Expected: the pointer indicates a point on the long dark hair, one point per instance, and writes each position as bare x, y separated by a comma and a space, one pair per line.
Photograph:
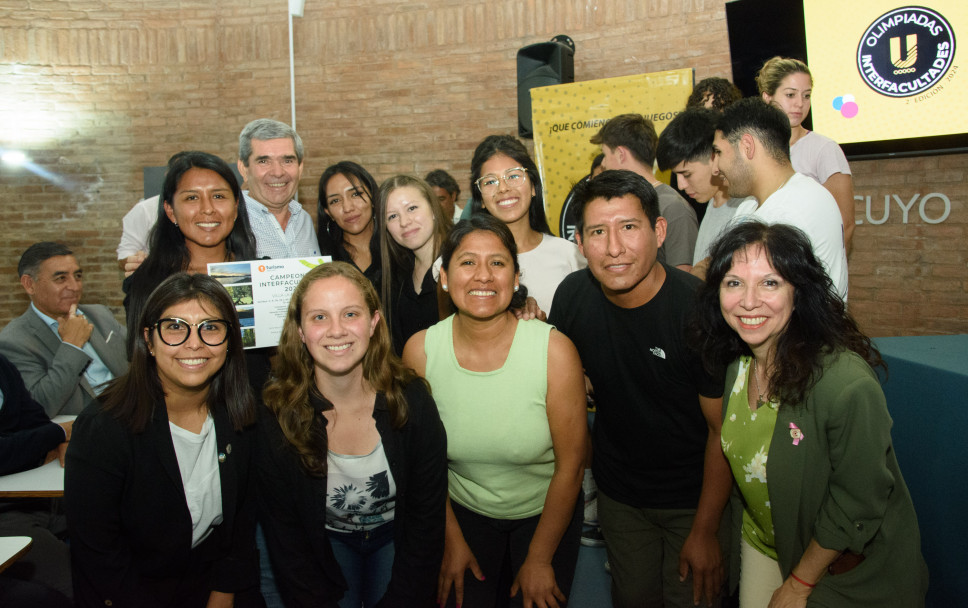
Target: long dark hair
329, 233
485, 223
819, 323
514, 149
167, 250
395, 257
131, 398
287, 393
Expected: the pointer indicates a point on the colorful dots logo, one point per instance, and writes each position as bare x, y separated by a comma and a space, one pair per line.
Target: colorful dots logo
846, 105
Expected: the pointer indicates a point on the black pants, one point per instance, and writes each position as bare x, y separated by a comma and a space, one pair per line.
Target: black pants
501, 546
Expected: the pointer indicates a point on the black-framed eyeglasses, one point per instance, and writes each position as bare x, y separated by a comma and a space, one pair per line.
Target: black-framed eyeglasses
175, 331
513, 177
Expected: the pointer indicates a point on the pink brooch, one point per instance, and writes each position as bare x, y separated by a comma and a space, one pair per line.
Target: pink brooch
796, 433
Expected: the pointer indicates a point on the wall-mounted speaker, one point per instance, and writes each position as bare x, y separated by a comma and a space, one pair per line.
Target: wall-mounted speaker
541, 65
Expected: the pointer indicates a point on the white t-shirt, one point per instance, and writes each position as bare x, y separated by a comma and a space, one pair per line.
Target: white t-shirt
136, 225
818, 157
548, 264
714, 222
361, 493
805, 204
198, 462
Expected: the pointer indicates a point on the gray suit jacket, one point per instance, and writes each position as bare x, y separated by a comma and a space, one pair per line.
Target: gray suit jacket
54, 371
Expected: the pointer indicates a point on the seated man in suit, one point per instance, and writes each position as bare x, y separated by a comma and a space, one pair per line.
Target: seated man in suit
42, 576
64, 351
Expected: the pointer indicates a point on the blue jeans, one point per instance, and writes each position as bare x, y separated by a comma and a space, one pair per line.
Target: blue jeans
267, 581
366, 559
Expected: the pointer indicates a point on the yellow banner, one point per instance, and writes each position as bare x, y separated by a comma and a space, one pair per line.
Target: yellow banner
566, 116
884, 69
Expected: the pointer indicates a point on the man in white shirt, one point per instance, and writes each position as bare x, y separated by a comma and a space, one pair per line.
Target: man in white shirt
752, 151
686, 148
271, 161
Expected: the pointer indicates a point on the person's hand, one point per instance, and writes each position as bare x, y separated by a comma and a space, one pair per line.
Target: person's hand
701, 554
68, 427
457, 559
74, 328
57, 453
790, 594
537, 584
531, 310
218, 599
132, 262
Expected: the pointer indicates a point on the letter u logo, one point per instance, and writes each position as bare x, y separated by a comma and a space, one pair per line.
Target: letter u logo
904, 65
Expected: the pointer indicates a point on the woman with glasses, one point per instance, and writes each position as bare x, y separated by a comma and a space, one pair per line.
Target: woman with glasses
507, 185
344, 213
413, 226
352, 465
200, 221
156, 486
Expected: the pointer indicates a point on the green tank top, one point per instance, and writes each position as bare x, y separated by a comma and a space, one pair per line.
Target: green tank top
500, 458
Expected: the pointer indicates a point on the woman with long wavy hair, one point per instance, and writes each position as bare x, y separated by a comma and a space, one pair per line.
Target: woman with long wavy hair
827, 519
353, 471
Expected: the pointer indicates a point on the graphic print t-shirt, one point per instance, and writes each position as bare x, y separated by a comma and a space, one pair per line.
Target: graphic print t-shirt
360, 491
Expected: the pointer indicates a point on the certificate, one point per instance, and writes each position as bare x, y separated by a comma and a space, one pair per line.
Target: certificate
261, 290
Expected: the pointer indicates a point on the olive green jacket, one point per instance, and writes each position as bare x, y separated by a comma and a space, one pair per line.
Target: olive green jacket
840, 483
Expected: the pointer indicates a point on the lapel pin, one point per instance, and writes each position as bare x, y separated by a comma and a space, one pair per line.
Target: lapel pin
221, 457
796, 433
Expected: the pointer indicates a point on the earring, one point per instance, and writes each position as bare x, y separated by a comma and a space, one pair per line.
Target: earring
444, 286
516, 288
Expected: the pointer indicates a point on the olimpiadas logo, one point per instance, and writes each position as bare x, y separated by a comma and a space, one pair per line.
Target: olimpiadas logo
906, 51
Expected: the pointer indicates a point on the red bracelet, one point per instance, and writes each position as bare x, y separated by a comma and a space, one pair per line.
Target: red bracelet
801, 581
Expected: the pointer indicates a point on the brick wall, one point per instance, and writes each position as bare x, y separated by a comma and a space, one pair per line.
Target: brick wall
95, 90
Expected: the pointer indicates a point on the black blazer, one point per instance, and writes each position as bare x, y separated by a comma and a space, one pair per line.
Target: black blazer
26, 433
129, 521
294, 508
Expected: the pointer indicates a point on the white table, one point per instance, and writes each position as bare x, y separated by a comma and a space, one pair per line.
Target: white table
46, 480
11, 548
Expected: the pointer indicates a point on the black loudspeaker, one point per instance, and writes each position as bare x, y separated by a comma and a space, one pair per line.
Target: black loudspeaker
540, 65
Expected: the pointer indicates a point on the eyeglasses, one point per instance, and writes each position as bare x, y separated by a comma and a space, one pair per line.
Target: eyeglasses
512, 177
175, 332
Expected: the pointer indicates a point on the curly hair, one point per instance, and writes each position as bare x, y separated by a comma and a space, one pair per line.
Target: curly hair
721, 92
819, 322
287, 393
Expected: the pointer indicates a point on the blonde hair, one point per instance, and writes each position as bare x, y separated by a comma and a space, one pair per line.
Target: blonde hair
287, 393
773, 72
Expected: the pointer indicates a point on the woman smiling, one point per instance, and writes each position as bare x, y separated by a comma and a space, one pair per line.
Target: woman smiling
412, 228
200, 221
511, 397
352, 467
156, 485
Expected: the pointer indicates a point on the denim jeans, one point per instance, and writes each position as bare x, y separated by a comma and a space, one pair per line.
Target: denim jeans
366, 559
267, 581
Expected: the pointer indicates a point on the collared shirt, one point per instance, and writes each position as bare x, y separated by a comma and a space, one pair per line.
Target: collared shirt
97, 373
297, 241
